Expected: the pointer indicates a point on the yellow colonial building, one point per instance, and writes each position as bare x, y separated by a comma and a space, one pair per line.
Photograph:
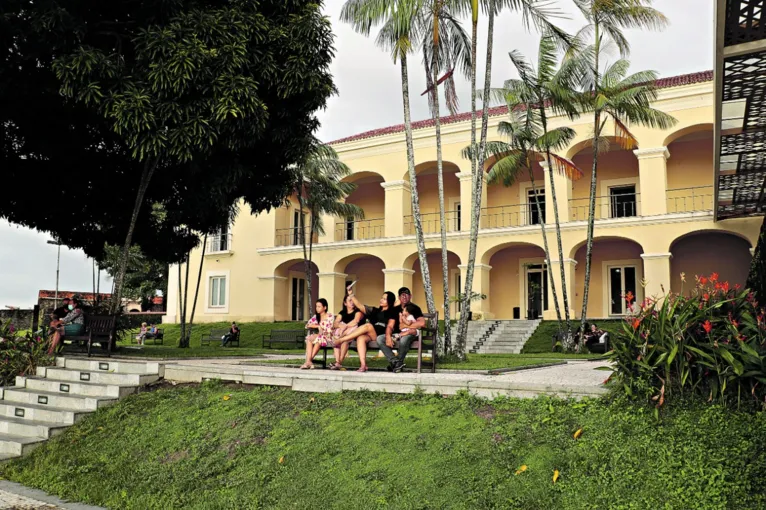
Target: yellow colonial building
655, 219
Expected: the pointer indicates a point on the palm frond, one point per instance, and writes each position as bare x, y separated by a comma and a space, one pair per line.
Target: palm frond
563, 166
624, 137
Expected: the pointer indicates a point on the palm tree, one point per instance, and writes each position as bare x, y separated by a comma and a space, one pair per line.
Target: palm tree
399, 29
444, 43
528, 145
548, 89
533, 12
613, 94
320, 190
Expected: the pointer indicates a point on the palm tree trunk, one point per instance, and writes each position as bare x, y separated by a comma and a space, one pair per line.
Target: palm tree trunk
426, 274
146, 176
182, 315
435, 108
564, 291
547, 251
591, 222
477, 170
302, 233
187, 339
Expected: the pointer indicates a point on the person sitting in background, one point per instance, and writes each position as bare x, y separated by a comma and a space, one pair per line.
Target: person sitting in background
233, 332
142, 334
62, 311
71, 325
595, 339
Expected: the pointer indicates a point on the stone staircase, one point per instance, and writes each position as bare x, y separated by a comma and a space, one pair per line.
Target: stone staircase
499, 337
39, 407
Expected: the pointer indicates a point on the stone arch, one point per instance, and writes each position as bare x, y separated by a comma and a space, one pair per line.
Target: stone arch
516, 271
702, 252
367, 270
686, 131
489, 252
287, 291
617, 267
413, 258
433, 257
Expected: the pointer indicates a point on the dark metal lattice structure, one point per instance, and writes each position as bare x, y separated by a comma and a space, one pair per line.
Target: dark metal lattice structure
740, 127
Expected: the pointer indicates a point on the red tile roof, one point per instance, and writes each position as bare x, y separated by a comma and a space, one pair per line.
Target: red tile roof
673, 81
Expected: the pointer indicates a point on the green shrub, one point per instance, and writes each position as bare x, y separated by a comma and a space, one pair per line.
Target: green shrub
20, 354
710, 344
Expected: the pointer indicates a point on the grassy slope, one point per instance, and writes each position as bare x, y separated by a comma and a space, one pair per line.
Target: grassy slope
190, 448
250, 339
540, 341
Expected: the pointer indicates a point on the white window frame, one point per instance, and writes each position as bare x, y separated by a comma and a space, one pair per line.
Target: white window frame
209, 275
307, 304
609, 264
608, 184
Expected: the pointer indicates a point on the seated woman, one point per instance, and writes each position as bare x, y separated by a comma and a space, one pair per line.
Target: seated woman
322, 322
141, 337
346, 321
71, 325
594, 338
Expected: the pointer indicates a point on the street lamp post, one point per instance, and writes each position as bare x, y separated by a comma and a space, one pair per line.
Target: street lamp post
58, 265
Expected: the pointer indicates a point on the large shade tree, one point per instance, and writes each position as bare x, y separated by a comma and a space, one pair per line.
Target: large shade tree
190, 104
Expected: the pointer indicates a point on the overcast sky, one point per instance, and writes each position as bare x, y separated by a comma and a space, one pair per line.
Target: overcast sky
369, 97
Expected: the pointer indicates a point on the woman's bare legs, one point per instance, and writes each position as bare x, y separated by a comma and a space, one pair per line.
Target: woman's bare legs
341, 351
365, 329
55, 341
310, 352
361, 348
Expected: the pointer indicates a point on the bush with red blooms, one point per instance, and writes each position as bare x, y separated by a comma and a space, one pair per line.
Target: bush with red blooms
710, 343
20, 354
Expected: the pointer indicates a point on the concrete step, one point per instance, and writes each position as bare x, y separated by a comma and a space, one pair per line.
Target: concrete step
29, 428
111, 366
40, 413
18, 445
8, 456
58, 400
79, 389
89, 376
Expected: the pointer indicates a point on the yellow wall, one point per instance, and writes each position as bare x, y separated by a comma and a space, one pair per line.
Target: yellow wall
706, 253
369, 272
435, 268
504, 279
603, 251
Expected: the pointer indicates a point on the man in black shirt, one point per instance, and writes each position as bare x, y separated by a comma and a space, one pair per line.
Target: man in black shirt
396, 363
62, 311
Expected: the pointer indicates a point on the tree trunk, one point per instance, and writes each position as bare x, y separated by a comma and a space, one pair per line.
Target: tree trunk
426, 274
591, 221
302, 228
551, 282
477, 171
146, 176
564, 292
435, 108
181, 311
187, 339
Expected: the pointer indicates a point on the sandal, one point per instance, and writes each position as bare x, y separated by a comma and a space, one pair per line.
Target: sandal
306, 366
336, 366
362, 369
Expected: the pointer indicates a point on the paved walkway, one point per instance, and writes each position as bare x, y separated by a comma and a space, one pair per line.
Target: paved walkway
14, 496
575, 378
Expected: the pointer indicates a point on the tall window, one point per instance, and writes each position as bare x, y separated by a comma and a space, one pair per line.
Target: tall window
298, 304
349, 229
622, 201
622, 279
297, 239
458, 226
217, 291
534, 217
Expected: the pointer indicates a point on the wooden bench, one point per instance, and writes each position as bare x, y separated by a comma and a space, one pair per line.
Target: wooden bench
216, 335
158, 337
284, 336
426, 341
99, 329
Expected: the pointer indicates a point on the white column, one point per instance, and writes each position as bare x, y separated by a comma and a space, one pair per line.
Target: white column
480, 285
652, 180
656, 274
398, 205
396, 278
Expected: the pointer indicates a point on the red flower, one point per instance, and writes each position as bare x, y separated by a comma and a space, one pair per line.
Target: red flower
707, 326
737, 287
629, 297
706, 296
636, 323
703, 280
741, 338
725, 287
718, 286
714, 277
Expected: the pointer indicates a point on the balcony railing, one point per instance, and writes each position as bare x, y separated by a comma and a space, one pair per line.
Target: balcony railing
683, 200
359, 230
515, 215
219, 243
613, 206
291, 236
432, 224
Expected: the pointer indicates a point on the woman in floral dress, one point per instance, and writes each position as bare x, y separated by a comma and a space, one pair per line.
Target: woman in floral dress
321, 326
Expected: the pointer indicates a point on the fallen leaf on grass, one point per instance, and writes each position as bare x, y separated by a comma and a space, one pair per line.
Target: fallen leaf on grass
282, 459
555, 475
577, 434
521, 469
312, 399
227, 397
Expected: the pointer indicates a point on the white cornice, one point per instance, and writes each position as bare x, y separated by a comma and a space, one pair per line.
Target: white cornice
655, 256
333, 274
654, 152
395, 185
566, 261
398, 270
272, 277
485, 267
